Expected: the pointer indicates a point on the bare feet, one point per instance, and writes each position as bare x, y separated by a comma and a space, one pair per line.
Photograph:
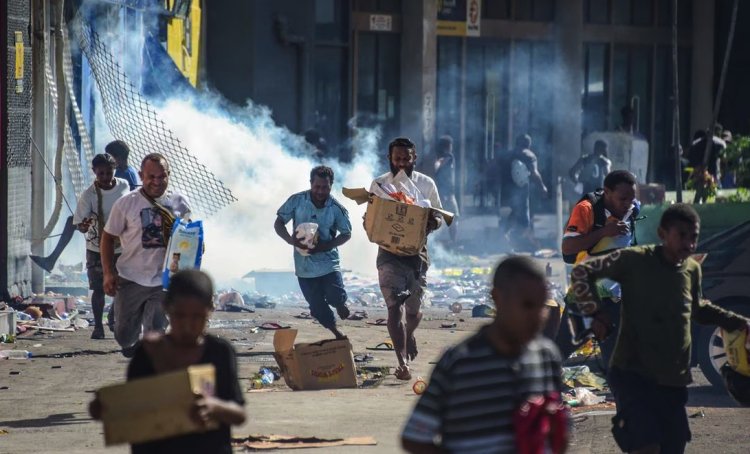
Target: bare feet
403, 373
411, 349
339, 335
343, 311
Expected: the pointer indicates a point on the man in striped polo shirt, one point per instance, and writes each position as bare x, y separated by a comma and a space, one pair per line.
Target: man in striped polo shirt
494, 392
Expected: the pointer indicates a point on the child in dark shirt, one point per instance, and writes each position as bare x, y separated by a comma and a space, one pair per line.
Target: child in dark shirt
188, 305
661, 295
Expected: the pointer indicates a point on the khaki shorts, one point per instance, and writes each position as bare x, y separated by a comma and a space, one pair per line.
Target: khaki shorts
401, 284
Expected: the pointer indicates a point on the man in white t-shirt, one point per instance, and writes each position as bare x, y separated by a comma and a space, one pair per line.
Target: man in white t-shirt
403, 278
90, 217
140, 220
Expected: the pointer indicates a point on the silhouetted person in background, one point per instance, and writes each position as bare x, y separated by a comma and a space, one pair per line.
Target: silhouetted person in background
119, 150
519, 174
591, 169
445, 179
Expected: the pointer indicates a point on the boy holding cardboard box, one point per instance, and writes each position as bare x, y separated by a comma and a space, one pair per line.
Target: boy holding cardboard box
403, 278
188, 304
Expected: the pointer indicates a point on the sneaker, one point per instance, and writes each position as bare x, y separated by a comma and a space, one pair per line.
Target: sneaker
343, 312
98, 333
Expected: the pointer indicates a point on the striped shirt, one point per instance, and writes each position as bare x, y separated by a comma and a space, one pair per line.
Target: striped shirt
474, 391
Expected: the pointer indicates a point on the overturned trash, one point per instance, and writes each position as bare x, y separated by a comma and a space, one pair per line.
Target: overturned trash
582, 376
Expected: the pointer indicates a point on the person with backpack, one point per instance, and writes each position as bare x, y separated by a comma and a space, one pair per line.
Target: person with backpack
520, 173
591, 169
601, 222
92, 212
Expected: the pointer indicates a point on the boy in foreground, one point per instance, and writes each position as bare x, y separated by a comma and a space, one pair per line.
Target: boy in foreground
499, 390
650, 369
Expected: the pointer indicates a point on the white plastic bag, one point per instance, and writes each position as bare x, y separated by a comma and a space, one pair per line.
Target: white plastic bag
307, 233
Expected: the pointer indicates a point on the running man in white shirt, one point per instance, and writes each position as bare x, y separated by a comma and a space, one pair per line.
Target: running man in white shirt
90, 217
403, 278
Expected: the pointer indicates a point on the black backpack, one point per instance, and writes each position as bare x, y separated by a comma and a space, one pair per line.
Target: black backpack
600, 218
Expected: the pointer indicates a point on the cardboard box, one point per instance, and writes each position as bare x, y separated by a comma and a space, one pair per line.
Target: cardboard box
157, 407
397, 227
327, 364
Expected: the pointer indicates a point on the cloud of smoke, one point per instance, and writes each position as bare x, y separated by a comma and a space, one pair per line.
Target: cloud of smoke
251, 156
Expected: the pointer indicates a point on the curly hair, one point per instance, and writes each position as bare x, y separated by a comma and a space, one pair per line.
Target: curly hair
322, 172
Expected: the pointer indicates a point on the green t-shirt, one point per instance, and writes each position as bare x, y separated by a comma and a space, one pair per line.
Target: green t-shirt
658, 301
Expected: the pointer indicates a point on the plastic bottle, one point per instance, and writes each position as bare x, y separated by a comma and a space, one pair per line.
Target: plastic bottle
267, 376
15, 354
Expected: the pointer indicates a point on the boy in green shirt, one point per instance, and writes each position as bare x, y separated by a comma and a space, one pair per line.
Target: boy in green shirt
650, 368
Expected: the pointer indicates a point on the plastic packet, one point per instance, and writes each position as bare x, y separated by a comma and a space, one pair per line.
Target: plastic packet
185, 248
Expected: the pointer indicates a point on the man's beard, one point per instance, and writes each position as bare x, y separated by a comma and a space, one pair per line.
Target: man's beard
408, 171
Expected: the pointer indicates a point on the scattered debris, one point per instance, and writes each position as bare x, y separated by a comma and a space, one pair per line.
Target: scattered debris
269, 442
582, 376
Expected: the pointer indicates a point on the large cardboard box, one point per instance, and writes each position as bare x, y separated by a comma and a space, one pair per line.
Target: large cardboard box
397, 227
157, 407
321, 365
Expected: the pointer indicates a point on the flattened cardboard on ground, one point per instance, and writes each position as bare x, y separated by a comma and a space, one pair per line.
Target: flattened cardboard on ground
268, 442
397, 227
326, 364
153, 408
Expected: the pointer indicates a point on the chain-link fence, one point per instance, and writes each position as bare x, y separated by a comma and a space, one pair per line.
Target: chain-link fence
132, 119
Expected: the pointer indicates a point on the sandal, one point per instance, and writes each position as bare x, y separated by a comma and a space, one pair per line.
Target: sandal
382, 346
366, 358
379, 322
304, 316
272, 326
448, 325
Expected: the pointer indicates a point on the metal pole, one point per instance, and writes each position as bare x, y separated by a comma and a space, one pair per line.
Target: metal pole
40, 22
676, 106
722, 78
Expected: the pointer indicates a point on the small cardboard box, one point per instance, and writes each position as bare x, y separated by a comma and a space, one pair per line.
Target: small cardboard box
148, 409
326, 364
397, 227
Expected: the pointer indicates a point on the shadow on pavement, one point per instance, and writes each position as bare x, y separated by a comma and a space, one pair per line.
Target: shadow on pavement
710, 397
61, 419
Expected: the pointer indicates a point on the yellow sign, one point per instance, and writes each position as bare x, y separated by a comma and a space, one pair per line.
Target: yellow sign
451, 28
183, 41
19, 61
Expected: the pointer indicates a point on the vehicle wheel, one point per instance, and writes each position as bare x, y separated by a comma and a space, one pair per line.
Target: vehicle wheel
711, 354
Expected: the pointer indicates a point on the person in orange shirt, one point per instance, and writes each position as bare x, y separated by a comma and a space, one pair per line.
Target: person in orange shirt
600, 223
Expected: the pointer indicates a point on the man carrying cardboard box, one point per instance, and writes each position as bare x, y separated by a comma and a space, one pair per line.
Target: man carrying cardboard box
317, 268
403, 278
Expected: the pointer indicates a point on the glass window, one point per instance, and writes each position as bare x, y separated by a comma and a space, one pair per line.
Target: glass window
524, 9
331, 21
535, 10
596, 87
622, 12
331, 103
597, 11
643, 12
389, 6
544, 10
684, 13
366, 5
496, 9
